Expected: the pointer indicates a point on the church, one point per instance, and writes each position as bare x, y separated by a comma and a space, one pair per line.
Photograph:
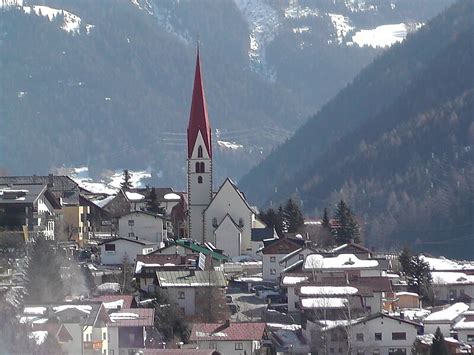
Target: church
223, 218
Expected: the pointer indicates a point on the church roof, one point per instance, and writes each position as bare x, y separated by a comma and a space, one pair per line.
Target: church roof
198, 120
236, 189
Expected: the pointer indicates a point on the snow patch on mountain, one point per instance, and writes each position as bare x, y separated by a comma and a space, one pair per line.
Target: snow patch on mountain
11, 3
71, 23
359, 6
341, 25
144, 5
295, 11
381, 36
263, 24
229, 145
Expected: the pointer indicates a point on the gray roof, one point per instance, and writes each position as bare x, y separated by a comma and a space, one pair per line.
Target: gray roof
140, 241
61, 186
26, 194
190, 278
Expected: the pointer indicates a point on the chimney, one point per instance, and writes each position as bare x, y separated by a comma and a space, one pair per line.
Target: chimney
50, 180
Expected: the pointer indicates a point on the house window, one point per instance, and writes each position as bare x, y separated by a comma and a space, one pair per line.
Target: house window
104, 352
452, 294
110, 248
272, 259
399, 336
131, 337
397, 351
131, 222
104, 336
181, 311
333, 336
239, 346
378, 336
181, 295
199, 179
360, 336
470, 338
200, 152
131, 235
273, 271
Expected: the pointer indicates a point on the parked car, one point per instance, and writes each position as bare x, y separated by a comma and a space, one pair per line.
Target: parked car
234, 308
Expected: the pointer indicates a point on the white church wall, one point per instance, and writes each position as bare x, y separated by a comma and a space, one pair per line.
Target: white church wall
228, 237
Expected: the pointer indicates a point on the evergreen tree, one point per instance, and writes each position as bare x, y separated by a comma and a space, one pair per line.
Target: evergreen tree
282, 226
126, 183
405, 261
325, 223
439, 344
152, 203
43, 273
272, 219
293, 216
345, 228
419, 278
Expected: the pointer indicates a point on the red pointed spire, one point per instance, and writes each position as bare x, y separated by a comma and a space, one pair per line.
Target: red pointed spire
198, 120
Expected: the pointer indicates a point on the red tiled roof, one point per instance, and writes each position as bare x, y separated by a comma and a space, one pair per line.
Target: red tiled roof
227, 332
281, 246
144, 317
198, 120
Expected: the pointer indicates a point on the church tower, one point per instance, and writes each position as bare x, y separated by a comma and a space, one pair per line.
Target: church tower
199, 159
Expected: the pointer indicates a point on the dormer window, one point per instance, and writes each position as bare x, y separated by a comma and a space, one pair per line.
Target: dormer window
200, 151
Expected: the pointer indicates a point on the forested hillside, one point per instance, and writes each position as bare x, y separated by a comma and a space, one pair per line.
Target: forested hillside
107, 84
407, 168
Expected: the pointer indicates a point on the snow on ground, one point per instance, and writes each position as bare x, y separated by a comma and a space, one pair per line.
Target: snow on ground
301, 29
108, 185
295, 11
341, 25
381, 36
39, 336
443, 264
230, 145
263, 23
71, 24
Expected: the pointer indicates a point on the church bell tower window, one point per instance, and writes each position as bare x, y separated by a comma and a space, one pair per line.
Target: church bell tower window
199, 179
200, 152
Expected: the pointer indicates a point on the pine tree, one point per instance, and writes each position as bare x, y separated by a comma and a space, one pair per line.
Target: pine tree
405, 261
293, 216
345, 228
439, 344
152, 203
126, 183
282, 225
419, 278
43, 273
325, 223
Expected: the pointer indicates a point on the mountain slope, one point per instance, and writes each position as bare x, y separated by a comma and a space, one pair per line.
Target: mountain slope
107, 84
377, 86
408, 171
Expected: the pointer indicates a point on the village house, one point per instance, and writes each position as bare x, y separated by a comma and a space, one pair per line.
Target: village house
229, 338
131, 328
86, 324
464, 328
144, 225
191, 289
445, 318
274, 253
116, 250
146, 267
187, 246
376, 334
28, 210
258, 236
452, 286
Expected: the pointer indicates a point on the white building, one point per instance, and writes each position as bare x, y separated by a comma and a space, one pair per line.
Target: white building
229, 338
377, 334
453, 286
273, 255
190, 288
224, 219
445, 319
144, 225
465, 328
116, 250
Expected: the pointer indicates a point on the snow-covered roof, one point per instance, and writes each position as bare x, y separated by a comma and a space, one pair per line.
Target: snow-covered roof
172, 196
443, 264
293, 280
466, 323
407, 294
329, 302
34, 310
341, 261
327, 290
134, 196
448, 314
444, 278
114, 304
82, 308
412, 313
